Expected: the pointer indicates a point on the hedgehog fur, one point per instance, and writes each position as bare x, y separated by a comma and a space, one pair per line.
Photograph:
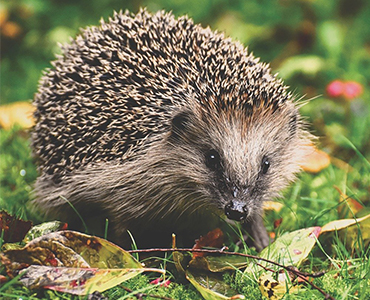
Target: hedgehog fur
160, 125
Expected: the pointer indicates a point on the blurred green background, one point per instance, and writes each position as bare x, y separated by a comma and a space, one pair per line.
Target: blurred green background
309, 43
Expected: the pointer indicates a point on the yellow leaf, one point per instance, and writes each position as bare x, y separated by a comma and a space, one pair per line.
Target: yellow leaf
316, 161
347, 204
212, 287
353, 233
340, 224
272, 205
20, 113
275, 289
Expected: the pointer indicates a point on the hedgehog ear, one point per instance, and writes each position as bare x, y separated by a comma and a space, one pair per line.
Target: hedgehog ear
293, 124
180, 124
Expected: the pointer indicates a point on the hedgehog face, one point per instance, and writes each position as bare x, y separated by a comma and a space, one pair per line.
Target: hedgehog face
243, 160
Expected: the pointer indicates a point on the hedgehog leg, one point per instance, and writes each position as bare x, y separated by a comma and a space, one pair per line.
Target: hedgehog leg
256, 233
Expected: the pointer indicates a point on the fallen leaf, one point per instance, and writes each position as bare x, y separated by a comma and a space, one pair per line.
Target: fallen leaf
275, 289
341, 224
341, 164
20, 113
73, 249
14, 229
272, 205
77, 281
3, 279
290, 249
213, 239
348, 206
181, 261
353, 233
278, 222
212, 287
218, 263
316, 161
44, 228
71, 262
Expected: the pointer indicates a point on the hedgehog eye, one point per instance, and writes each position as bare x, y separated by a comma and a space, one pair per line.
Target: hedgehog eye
212, 159
265, 165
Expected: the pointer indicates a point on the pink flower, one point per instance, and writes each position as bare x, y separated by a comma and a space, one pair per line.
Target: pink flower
335, 88
352, 89
349, 90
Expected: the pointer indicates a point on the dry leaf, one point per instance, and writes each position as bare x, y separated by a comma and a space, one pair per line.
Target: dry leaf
212, 287
349, 206
78, 281
341, 224
275, 289
353, 233
14, 230
16, 113
71, 262
272, 205
316, 161
214, 239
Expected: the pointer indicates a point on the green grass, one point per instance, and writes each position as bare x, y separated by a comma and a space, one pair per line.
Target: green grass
17, 173
310, 201
309, 42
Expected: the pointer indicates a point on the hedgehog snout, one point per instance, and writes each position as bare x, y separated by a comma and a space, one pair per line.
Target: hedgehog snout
236, 210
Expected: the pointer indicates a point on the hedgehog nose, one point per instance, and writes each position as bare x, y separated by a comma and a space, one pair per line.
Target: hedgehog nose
236, 210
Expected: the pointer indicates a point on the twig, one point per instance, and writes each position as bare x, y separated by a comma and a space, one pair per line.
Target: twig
298, 273
327, 296
216, 251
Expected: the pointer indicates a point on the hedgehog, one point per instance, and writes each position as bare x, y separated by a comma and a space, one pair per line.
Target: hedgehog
157, 125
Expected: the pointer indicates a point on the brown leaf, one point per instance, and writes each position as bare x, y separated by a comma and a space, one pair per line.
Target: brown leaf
3, 279
72, 249
214, 239
278, 222
78, 281
14, 229
72, 262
